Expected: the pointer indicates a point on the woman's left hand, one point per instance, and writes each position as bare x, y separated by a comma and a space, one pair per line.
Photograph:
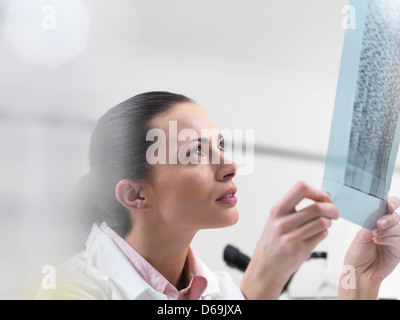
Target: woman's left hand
373, 255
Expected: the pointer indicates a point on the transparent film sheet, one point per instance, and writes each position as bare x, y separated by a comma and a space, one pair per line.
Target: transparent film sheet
365, 128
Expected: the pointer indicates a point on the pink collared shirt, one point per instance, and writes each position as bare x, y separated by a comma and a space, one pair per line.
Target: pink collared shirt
193, 271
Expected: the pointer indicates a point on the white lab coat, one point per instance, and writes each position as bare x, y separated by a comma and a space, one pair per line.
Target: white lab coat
103, 272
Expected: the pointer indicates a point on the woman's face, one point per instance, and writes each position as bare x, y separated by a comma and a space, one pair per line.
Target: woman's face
186, 192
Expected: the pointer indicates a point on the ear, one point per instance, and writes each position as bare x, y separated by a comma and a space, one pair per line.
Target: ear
130, 196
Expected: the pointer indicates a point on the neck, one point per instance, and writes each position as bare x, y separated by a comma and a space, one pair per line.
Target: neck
166, 250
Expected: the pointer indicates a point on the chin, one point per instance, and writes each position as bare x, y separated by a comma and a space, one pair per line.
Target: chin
235, 218
229, 218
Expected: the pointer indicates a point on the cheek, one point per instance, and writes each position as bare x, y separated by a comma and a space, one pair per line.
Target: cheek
186, 191
193, 188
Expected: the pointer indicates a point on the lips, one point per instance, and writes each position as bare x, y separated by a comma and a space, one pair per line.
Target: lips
228, 197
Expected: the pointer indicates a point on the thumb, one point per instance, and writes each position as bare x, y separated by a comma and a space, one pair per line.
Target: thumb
363, 236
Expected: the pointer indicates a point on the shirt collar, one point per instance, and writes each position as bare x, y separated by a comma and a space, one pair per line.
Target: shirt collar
193, 269
111, 264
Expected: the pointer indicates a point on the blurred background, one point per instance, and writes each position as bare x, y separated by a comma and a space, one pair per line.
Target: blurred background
270, 66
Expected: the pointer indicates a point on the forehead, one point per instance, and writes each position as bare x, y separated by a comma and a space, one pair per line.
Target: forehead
187, 116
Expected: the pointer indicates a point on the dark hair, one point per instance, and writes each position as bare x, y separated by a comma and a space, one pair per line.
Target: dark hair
118, 151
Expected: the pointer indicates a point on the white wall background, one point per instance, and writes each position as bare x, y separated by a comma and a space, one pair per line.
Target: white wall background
271, 66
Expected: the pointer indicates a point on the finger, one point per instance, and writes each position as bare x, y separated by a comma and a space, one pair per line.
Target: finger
393, 241
312, 242
312, 228
392, 231
388, 220
304, 216
300, 191
393, 204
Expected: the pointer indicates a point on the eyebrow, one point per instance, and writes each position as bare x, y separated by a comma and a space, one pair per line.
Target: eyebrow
202, 140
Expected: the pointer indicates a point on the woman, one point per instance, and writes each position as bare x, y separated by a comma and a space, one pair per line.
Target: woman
150, 213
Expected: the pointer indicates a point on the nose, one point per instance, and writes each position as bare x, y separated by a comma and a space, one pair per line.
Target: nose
227, 171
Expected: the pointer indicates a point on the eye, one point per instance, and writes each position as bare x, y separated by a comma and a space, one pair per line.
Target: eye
221, 145
196, 152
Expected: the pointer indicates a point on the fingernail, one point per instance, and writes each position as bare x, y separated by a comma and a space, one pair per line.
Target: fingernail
383, 222
377, 232
327, 195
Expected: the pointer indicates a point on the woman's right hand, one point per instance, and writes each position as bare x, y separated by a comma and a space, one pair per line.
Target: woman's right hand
288, 240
